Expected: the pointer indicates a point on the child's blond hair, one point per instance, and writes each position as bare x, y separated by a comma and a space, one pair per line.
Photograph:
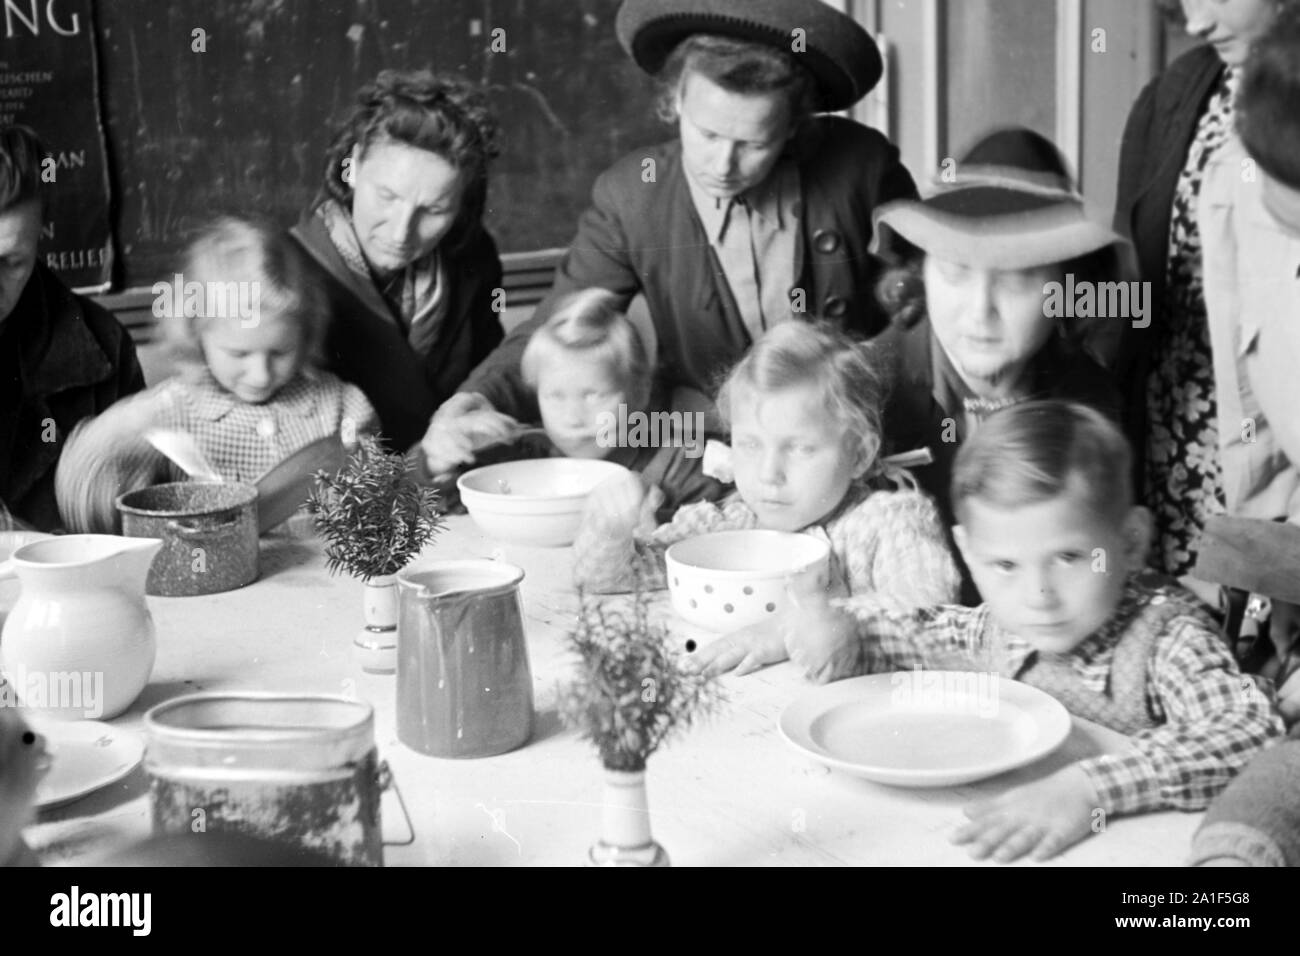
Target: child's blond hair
591, 325
233, 250
849, 374
1034, 452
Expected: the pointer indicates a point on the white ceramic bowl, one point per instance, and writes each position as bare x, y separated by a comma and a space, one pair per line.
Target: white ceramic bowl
535, 502
732, 579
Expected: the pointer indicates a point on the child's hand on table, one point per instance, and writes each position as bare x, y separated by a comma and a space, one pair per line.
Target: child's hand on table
743, 651
1041, 819
22, 755
825, 645
808, 631
822, 640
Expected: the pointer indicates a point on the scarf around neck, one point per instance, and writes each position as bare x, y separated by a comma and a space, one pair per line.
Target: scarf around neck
416, 299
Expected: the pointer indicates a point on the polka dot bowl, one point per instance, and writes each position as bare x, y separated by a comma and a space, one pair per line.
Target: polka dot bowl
732, 579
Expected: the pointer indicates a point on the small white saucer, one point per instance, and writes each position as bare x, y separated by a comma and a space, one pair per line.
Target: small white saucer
85, 756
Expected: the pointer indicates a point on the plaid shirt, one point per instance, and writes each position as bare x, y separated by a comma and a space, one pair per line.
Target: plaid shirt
244, 441
1210, 719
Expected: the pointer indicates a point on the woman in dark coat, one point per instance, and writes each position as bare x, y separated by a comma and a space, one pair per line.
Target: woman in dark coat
758, 211
397, 236
1178, 123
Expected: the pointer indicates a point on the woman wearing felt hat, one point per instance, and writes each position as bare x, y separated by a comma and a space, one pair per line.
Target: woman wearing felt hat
976, 324
758, 212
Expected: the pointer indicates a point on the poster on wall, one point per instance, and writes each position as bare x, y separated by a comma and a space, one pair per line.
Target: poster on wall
49, 80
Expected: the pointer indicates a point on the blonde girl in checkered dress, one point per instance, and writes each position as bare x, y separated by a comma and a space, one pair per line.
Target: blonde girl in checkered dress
804, 409
247, 384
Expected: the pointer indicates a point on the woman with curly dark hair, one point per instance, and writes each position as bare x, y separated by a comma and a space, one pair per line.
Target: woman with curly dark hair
398, 237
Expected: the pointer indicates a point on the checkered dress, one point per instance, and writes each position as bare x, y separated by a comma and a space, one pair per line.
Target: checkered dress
1204, 719
244, 441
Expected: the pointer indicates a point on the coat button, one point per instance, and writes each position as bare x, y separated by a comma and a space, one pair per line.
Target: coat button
266, 427
826, 241
835, 307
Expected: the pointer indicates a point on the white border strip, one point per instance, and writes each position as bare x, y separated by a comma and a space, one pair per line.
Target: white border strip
1069, 83
936, 74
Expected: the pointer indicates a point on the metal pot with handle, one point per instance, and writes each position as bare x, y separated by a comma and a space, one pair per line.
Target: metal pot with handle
296, 769
209, 530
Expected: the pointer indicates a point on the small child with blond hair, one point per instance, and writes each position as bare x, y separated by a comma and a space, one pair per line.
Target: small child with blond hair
592, 375
248, 384
1056, 547
804, 408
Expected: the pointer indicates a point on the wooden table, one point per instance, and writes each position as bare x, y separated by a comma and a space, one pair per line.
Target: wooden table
730, 792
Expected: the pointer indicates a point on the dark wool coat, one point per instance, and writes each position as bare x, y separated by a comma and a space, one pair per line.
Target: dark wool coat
367, 347
62, 358
642, 234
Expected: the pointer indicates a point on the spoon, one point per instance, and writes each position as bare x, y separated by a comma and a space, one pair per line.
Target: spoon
184, 451
517, 433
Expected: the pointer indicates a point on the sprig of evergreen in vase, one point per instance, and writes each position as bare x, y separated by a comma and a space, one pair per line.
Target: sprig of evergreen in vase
373, 515
631, 692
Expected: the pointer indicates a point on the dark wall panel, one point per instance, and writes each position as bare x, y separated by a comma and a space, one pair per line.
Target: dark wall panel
243, 126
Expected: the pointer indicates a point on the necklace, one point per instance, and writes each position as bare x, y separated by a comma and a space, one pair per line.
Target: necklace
983, 407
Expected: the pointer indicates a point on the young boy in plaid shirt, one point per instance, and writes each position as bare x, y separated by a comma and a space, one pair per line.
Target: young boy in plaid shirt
1056, 547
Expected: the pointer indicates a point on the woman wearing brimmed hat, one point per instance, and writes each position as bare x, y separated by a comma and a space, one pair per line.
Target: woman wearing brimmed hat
759, 211
976, 325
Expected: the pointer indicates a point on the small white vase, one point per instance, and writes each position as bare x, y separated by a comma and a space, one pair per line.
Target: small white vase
375, 645
625, 824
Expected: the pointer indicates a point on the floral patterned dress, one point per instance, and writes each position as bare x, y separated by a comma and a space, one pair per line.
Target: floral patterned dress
1184, 477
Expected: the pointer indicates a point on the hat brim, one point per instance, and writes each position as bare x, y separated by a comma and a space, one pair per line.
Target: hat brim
841, 56
1028, 240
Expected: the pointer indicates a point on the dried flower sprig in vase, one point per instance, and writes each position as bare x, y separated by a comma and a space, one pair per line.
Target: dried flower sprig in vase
631, 694
374, 517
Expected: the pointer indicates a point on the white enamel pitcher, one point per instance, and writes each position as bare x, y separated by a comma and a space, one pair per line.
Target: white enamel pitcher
79, 644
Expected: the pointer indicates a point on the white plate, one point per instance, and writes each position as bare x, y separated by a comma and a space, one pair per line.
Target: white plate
926, 728
85, 755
